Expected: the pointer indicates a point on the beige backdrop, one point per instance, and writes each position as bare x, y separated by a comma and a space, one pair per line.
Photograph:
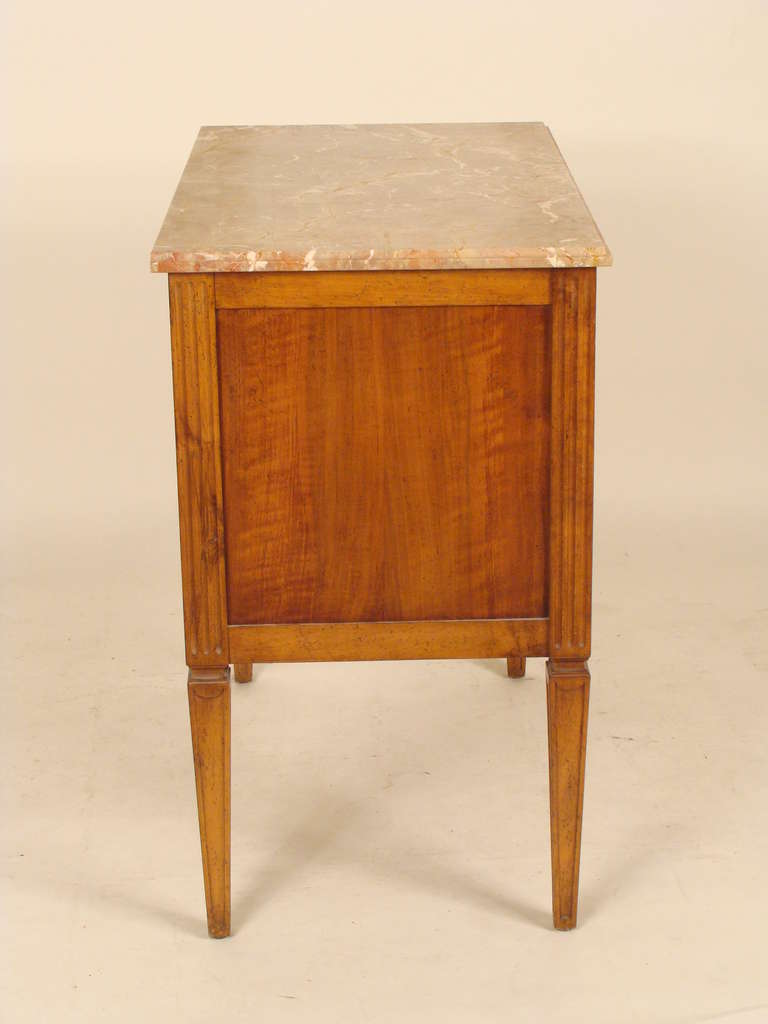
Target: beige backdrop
390, 848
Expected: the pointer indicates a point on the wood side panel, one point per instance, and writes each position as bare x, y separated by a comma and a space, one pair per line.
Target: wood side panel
567, 710
572, 448
209, 715
198, 463
377, 641
384, 288
385, 464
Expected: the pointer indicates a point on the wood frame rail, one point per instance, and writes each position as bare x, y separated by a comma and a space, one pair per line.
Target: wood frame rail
384, 288
381, 641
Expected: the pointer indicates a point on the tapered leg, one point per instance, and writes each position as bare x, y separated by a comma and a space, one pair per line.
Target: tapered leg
515, 666
209, 714
243, 672
567, 705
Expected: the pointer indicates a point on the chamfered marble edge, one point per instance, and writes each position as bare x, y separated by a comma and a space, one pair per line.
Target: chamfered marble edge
165, 259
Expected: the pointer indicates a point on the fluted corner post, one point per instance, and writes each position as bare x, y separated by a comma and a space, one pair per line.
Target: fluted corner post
198, 466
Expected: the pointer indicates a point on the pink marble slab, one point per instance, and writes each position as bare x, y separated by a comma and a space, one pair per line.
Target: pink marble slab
377, 197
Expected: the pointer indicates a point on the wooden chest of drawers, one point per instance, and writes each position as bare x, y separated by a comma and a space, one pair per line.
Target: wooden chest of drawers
389, 456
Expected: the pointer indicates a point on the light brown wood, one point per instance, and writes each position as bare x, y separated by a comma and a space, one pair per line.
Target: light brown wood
243, 672
385, 464
571, 481
384, 288
209, 714
198, 462
515, 667
372, 641
567, 708
407, 460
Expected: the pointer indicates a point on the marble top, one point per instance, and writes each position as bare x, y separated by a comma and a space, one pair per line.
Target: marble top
377, 197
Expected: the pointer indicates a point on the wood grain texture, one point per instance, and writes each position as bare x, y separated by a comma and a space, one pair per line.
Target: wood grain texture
567, 709
385, 464
515, 667
209, 715
377, 641
572, 448
384, 288
198, 462
243, 672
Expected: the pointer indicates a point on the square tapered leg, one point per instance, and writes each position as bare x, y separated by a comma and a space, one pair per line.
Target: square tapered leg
567, 706
209, 714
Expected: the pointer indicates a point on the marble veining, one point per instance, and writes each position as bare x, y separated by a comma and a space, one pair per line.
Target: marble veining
376, 197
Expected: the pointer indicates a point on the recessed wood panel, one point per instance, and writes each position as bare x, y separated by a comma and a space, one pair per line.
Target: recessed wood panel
385, 464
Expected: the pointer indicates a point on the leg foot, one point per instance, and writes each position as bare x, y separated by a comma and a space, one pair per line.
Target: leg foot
209, 714
515, 666
243, 672
567, 704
